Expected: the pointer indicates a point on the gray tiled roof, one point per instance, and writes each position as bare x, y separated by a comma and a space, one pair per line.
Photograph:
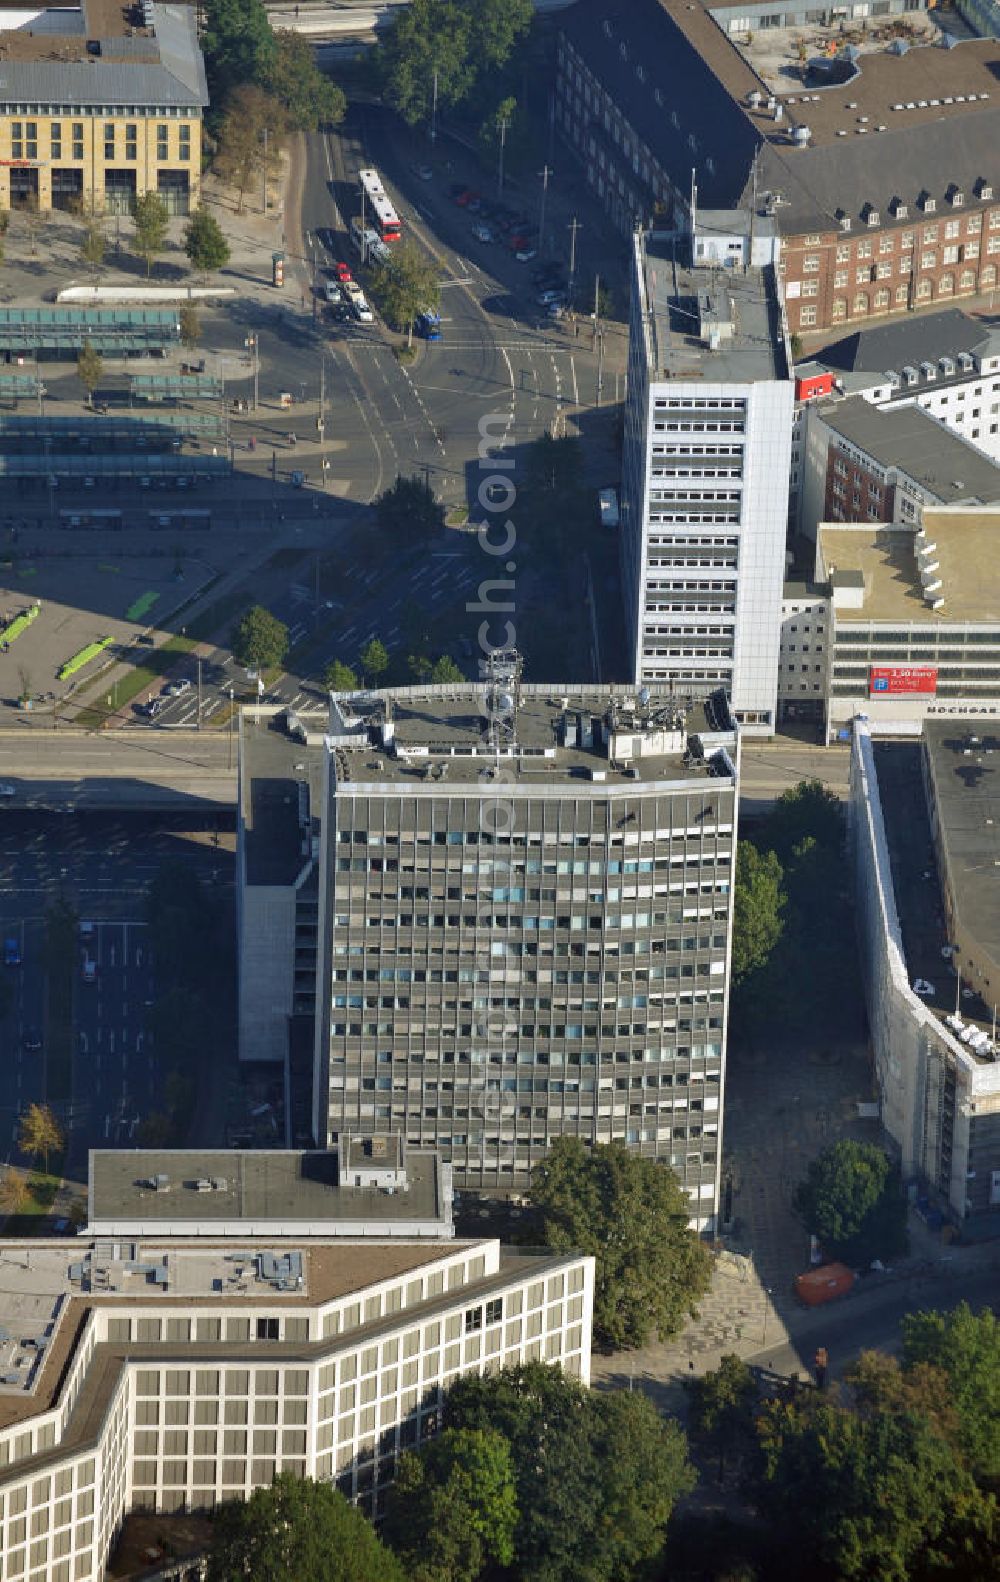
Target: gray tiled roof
908, 438
177, 79
922, 338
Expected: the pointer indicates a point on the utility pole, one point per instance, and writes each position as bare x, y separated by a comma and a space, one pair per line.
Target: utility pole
502, 128
597, 299
572, 227
198, 726
600, 367
545, 173
264, 206
434, 108
232, 717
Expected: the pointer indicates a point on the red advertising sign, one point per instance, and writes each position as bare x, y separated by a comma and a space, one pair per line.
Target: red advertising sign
902, 680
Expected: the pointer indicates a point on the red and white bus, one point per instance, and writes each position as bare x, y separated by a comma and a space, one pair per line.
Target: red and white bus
379, 212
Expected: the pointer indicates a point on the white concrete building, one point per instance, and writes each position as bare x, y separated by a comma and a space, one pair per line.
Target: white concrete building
525, 923
927, 810
705, 482
169, 1374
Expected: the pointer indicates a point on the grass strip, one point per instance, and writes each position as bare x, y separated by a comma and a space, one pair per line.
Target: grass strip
143, 678
83, 657
140, 606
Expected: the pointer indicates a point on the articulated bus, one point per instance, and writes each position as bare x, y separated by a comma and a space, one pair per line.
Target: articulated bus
379, 211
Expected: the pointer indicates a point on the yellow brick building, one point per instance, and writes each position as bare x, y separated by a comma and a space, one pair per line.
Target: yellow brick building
100, 105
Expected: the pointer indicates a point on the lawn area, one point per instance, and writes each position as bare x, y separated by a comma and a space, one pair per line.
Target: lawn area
142, 678
41, 1192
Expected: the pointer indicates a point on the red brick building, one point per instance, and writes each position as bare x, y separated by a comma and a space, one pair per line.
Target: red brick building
883, 187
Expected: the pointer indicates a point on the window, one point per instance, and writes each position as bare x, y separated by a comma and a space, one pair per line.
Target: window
267, 1329
17, 139
840, 278
55, 140
950, 255
77, 139
807, 316
161, 141
131, 143
860, 304
184, 150
928, 260
494, 1311
473, 1320
31, 139
810, 264
109, 140
864, 249
843, 254
840, 307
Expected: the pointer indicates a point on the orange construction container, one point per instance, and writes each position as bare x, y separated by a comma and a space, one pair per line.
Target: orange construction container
824, 1284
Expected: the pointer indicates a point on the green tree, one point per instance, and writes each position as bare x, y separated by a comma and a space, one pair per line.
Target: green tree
190, 325
807, 811
463, 41
338, 677
453, 1509
863, 1497
374, 660
301, 1530
259, 640
632, 1215
723, 1407
251, 133
758, 903
597, 1474
295, 80
852, 1200
94, 245
965, 1346
445, 671
89, 369
151, 222
407, 286
39, 1133
409, 508
239, 46
204, 242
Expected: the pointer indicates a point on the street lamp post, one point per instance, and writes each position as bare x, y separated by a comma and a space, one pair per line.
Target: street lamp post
251, 343
232, 716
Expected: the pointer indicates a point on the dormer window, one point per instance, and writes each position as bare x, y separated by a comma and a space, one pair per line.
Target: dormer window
871, 216
899, 209
845, 222
957, 198
927, 203
985, 190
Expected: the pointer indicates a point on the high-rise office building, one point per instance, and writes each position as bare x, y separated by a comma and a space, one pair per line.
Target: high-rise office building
708, 427
525, 912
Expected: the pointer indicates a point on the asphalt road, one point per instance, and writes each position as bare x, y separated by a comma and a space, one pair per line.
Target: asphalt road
114, 1062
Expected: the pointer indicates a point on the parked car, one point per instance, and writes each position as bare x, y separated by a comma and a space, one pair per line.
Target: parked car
524, 255
12, 952
177, 689
607, 500
154, 707
342, 272
332, 291
482, 232
32, 1040
549, 295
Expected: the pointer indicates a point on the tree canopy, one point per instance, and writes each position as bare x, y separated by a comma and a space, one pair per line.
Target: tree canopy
723, 1408
805, 811
338, 677
295, 80
462, 42
243, 51
90, 369
204, 243
965, 1346
453, 1508
259, 640
863, 1496
299, 1529
409, 508
758, 904
407, 285
151, 221
39, 1133
597, 1474
632, 1214
852, 1199
374, 660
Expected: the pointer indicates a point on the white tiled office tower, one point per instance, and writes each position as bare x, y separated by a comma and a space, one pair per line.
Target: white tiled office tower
528, 937
708, 429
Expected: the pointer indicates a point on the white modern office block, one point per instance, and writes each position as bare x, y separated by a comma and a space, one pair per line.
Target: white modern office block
708, 435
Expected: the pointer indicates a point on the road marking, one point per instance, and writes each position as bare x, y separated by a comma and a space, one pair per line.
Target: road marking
576, 392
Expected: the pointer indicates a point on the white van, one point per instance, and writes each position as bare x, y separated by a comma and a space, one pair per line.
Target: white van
608, 501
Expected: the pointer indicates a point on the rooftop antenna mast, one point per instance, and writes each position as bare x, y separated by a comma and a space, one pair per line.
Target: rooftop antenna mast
502, 698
